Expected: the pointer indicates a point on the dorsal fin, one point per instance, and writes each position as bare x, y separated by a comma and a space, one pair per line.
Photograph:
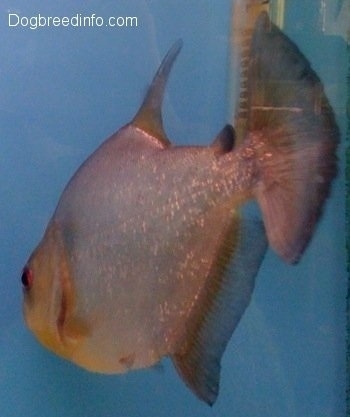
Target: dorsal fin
149, 116
225, 140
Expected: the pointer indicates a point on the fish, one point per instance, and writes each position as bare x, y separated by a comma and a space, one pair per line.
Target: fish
149, 253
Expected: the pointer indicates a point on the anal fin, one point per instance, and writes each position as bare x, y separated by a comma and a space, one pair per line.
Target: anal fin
219, 308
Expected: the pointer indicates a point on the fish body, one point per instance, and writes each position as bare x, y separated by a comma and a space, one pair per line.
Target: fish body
119, 223
147, 255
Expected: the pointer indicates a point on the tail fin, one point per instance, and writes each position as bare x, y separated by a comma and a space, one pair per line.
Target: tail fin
295, 135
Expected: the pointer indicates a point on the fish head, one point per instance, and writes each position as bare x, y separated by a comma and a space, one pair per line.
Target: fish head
48, 303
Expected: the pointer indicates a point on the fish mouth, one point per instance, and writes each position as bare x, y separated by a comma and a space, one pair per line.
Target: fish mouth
48, 335
54, 336
61, 319
65, 335
71, 329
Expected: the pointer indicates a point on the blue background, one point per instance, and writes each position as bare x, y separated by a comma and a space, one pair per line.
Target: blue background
64, 90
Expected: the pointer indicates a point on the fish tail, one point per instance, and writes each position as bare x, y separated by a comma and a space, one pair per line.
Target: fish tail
293, 133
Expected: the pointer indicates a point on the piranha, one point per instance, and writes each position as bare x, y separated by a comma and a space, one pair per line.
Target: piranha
148, 254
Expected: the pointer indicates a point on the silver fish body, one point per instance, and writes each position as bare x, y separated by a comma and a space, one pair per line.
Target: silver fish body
147, 255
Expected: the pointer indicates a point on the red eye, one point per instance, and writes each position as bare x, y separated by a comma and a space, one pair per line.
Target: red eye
27, 278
